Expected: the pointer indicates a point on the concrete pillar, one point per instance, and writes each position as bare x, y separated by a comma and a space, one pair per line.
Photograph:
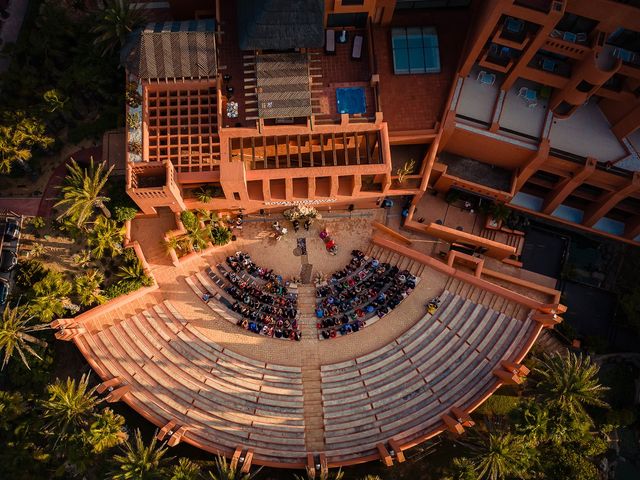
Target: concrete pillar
108, 385
385, 456
632, 228
607, 201
628, 123
177, 436
533, 164
395, 449
453, 425
565, 187
117, 394
167, 430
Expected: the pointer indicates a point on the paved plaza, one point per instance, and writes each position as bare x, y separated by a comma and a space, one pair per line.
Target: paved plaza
256, 239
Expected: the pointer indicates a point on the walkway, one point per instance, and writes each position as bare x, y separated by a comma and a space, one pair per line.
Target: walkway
51, 193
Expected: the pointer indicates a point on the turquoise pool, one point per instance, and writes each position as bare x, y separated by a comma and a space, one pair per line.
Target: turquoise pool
351, 100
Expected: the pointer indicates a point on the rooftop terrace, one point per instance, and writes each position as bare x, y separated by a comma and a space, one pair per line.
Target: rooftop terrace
416, 101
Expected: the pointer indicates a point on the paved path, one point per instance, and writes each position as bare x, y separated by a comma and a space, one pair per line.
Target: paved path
24, 206
50, 195
311, 380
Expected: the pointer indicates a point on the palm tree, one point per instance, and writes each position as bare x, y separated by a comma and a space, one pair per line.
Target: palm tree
82, 258
498, 456
82, 192
115, 22
568, 383
19, 135
106, 431
70, 404
140, 461
220, 235
186, 470
224, 471
133, 272
106, 235
15, 335
50, 297
37, 250
199, 237
87, 288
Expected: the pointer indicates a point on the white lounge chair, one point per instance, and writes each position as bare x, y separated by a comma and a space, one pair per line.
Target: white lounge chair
486, 78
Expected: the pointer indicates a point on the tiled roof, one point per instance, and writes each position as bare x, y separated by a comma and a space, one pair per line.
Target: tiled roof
280, 24
283, 85
174, 50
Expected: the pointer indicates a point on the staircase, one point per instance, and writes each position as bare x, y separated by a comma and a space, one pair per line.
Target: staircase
313, 419
548, 343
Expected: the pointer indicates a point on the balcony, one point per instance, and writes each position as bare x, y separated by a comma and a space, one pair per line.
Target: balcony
587, 133
514, 33
550, 65
499, 58
570, 44
477, 99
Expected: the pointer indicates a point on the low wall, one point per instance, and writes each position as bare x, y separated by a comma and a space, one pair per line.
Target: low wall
494, 249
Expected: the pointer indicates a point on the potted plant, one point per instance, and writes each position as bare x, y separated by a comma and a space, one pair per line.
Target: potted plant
498, 214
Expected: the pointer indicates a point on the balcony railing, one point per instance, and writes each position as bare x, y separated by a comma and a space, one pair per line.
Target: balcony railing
627, 56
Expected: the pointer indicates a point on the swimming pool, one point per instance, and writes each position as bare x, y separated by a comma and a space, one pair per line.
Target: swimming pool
351, 100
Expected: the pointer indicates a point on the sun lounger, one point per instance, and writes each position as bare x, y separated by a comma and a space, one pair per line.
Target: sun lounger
330, 42
356, 50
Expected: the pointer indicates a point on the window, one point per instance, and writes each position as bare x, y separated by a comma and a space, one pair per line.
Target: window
236, 195
415, 50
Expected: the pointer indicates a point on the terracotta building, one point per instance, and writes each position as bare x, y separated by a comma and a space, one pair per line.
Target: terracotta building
255, 106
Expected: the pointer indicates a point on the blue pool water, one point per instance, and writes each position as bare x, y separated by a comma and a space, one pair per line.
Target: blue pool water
351, 100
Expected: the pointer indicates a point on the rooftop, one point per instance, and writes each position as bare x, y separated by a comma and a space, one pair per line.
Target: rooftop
174, 50
280, 24
417, 101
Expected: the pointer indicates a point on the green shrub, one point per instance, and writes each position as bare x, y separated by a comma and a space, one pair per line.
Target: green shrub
122, 288
220, 235
189, 220
129, 255
29, 272
499, 405
38, 222
122, 214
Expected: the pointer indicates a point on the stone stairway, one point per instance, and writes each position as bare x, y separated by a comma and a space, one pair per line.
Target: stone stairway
313, 419
548, 343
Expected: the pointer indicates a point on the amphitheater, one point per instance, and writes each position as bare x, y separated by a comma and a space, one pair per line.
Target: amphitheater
188, 368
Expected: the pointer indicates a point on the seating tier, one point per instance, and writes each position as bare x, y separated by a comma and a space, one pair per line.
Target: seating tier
401, 390
223, 398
